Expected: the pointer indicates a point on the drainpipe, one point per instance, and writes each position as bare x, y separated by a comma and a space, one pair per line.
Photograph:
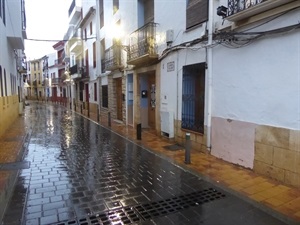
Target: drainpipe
209, 74
98, 55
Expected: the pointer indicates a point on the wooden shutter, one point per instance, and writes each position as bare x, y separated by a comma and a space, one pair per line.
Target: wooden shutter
196, 12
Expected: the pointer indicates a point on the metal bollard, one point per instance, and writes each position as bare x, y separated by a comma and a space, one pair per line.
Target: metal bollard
139, 131
88, 109
81, 109
187, 148
70, 105
98, 116
109, 119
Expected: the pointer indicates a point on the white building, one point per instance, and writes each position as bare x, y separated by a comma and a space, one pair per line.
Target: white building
12, 61
225, 71
256, 74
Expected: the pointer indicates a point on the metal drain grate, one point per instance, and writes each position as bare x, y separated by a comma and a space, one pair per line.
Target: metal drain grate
147, 211
174, 147
119, 216
175, 204
15, 165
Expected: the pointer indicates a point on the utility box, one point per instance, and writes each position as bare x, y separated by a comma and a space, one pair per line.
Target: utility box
169, 36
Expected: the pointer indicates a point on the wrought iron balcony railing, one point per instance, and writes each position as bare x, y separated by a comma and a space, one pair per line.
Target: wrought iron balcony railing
143, 43
59, 61
114, 58
241, 9
56, 81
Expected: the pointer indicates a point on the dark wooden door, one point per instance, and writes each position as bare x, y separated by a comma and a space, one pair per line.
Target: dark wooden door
119, 98
151, 100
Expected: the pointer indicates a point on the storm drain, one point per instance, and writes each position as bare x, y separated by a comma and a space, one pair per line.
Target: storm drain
15, 165
147, 211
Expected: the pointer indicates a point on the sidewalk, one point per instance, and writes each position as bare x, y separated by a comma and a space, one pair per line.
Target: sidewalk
11, 150
279, 200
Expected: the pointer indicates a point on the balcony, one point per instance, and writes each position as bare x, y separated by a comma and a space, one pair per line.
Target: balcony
76, 45
75, 72
114, 58
59, 61
143, 46
22, 65
74, 13
242, 9
55, 81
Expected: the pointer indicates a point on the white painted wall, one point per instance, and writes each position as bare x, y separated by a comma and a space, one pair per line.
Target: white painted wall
260, 83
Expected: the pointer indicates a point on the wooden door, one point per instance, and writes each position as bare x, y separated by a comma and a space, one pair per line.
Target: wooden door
151, 100
119, 97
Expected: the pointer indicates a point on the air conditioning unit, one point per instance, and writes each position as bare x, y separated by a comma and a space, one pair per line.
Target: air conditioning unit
167, 123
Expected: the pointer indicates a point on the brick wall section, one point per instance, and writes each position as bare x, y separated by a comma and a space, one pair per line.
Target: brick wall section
277, 154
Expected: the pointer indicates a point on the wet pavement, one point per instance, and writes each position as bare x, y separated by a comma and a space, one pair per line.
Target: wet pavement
83, 173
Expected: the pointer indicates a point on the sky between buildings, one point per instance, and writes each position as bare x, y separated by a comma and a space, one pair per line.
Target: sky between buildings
46, 20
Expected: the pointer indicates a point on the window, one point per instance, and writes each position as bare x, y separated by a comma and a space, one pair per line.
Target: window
85, 34
94, 55
95, 92
1, 81
34, 66
116, 6
101, 14
148, 11
105, 96
193, 91
5, 83
196, 12
87, 62
102, 50
91, 28
3, 12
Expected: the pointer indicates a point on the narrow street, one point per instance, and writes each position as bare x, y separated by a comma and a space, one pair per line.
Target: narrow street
78, 172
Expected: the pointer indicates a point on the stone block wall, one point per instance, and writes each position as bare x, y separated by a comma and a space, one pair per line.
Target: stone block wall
198, 141
277, 154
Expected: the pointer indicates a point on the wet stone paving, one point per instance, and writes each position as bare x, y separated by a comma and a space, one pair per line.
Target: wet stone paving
82, 173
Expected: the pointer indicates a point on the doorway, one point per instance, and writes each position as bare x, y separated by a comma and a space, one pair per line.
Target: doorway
119, 97
151, 100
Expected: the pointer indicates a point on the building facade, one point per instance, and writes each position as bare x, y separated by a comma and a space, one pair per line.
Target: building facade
12, 61
256, 74
224, 71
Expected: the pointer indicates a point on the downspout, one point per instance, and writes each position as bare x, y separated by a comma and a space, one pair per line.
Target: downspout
209, 74
98, 55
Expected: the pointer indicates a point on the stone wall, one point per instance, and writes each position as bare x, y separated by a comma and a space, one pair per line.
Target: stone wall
277, 154
198, 140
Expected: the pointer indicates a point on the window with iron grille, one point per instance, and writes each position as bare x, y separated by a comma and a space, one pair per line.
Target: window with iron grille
95, 92
193, 95
94, 54
105, 96
5, 83
1, 81
196, 12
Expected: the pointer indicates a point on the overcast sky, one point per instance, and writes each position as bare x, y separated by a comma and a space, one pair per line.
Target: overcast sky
46, 20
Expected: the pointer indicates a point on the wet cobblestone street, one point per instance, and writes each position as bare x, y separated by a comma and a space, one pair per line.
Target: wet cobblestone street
83, 173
